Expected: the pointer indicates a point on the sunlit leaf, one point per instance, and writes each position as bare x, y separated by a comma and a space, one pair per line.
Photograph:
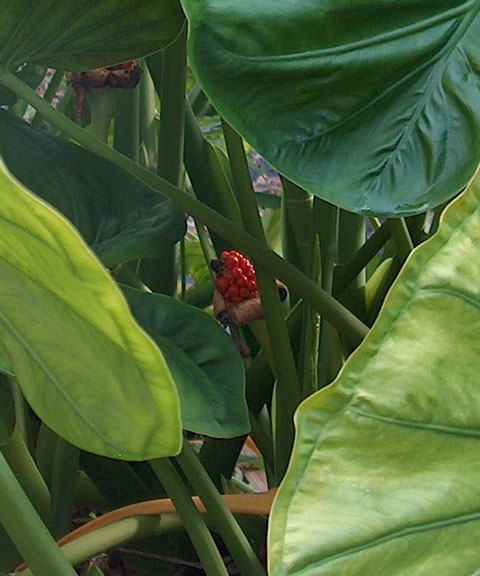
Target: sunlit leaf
120, 217
84, 365
203, 360
384, 477
83, 35
369, 104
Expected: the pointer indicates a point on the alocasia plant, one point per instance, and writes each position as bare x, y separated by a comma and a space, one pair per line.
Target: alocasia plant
369, 105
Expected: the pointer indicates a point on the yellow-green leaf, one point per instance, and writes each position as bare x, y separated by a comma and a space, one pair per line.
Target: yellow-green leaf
385, 477
84, 365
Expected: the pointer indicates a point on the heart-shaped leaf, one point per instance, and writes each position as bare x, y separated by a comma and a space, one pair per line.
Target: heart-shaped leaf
203, 360
384, 477
84, 365
83, 35
371, 105
120, 217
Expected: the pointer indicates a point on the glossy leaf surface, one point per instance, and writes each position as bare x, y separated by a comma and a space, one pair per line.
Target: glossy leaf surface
371, 105
83, 35
203, 360
84, 365
120, 217
385, 477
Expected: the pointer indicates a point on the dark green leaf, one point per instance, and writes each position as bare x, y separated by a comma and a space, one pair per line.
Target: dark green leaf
84, 365
369, 104
384, 477
83, 35
6, 97
203, 360
121, 218
7, 411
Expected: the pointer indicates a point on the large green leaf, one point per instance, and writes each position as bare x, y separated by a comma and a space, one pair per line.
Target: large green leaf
385, 477
203, 359
82, 35
369, 104
121, 218
84, 365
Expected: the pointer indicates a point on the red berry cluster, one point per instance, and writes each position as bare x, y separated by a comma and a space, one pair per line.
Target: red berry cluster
236, 279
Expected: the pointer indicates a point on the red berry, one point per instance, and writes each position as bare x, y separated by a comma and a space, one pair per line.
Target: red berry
237, 273
225, 254
252, 284
231, 262
222, 284
231, 291
242, 281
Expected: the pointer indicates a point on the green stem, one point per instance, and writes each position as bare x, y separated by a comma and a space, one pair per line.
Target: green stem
27, 531
332, 310
126, 130
45, 452
326, 216
148, 132
223, 520
102, 104
287, 387
347, 272
297, 212
183, 269
63, 487
401, 237
21, 462
126, 530
194, 524
172, 112
208, 177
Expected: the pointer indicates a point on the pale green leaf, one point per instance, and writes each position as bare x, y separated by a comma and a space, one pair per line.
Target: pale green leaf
84, 365
384, 477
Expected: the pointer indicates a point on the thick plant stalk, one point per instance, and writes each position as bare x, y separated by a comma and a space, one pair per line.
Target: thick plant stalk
401, 237
209, 179
347, 272
142, 520
21, 462
351, 237
330, 308
45, 452
287, 389
102, 104
194, 524
221, 517
27, 531
297, 214
126, 132
64, 478
148, 134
